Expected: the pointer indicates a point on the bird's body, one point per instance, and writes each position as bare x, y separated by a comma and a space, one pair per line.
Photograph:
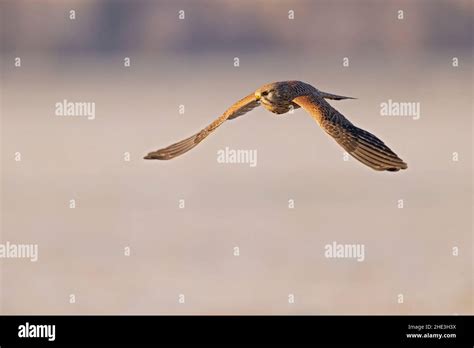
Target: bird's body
281, 97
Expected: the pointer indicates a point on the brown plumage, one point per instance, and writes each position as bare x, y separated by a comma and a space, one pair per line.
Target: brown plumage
281, 97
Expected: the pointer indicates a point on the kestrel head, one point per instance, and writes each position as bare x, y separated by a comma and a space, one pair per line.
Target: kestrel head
277, 96
275, 92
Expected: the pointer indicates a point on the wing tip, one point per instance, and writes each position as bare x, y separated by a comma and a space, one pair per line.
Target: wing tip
402, 166
157, 156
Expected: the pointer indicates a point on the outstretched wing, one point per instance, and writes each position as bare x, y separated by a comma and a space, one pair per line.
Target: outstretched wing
238, 109
360, 144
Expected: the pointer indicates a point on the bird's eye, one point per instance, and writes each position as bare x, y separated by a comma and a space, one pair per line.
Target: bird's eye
265, 93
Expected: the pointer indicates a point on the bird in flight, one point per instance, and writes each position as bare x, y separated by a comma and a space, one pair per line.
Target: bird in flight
281, 97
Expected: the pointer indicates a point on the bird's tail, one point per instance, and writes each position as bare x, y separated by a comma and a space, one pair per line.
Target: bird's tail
333, 96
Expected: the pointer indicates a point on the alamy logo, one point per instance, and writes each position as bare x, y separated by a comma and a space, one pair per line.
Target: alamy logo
228, 155
11, 251
392, 108
37, 331
68, 108
346, 251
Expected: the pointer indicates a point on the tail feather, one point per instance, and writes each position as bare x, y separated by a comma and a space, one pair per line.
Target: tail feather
333, 96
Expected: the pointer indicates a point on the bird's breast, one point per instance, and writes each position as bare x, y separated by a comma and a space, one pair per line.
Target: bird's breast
278, 108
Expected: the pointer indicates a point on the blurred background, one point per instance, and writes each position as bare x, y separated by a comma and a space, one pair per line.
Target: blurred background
135, 204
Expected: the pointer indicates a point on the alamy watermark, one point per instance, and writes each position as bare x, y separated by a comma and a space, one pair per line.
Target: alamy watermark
240, 156
24, 251
68, 108
345, 251
28, 330
404, 109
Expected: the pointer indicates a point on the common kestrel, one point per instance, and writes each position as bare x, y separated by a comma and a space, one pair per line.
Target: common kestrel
281, 97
